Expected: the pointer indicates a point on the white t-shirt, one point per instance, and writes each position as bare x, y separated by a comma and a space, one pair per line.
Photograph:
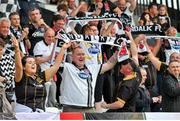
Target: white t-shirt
93, 53
41, 49
77, 87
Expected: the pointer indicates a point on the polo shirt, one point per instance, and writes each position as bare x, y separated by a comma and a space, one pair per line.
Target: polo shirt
42, 49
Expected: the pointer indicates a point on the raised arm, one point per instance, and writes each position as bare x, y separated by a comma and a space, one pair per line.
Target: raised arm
18, 63
110, 63
133, 48
106, 32
76, 10
133, 4
41, 23
51, 71
157, 47
156, 62
117, 11
25, 36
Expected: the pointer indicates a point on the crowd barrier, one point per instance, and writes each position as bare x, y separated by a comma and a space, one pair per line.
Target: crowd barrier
92, 116
120, 116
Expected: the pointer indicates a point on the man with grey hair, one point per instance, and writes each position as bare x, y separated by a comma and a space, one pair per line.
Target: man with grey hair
7, 62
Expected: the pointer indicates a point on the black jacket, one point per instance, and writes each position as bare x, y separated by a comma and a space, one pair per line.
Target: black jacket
170, 94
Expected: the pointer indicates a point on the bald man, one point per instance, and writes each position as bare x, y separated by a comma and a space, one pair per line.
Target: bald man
43, 54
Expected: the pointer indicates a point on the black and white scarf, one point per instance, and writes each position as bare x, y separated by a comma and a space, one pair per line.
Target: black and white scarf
124, 20
114, 41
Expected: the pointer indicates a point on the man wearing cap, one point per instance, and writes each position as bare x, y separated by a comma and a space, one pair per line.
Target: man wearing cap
126, 89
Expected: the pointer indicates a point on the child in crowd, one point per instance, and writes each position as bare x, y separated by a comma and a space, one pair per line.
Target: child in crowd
144, 100
163, 18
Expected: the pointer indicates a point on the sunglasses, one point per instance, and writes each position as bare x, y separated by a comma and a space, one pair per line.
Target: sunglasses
125, 62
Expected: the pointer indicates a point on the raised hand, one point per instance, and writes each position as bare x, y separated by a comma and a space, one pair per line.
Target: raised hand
82, 3
41, 23
25, 32
128, 33
67, 45
74, 44
15, 43
141, 38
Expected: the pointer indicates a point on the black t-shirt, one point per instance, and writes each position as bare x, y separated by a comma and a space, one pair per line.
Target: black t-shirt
18, 34
35, 35
126, 90
170, 94
31, 92
164, 21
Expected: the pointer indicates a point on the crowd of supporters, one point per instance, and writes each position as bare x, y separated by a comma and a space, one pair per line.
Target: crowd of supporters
83, 76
